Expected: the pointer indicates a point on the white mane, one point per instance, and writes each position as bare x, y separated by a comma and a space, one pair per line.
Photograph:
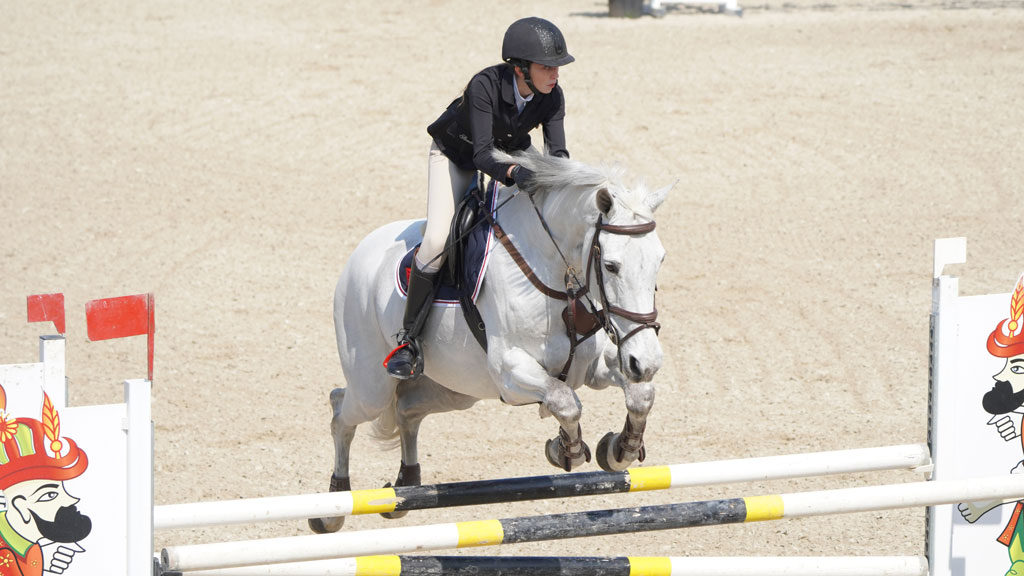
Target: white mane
575, 181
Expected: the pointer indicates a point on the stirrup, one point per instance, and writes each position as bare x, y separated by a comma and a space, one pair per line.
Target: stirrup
405, 361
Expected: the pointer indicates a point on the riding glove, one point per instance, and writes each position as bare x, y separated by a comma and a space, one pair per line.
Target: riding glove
524, 178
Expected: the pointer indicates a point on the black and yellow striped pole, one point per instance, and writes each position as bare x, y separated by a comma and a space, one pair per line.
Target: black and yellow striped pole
581, 524
404, 498
588, 566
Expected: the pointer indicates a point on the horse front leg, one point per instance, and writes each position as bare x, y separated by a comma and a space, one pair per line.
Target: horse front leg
525, 381
615, 452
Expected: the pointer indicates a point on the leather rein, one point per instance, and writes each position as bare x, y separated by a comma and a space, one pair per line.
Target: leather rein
581, 321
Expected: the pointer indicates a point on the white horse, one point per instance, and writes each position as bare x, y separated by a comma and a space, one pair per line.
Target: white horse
597, 236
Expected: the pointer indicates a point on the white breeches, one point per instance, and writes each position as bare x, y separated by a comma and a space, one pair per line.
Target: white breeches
446, 183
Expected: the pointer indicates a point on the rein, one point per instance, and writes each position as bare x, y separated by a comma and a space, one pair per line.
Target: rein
575, 311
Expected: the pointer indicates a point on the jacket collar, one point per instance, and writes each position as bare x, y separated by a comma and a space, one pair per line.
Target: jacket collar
508, 77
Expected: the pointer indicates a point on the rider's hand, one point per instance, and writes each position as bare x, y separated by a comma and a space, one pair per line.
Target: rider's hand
524, 178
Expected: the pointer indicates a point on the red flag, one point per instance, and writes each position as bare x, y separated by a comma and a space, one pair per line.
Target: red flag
47, 308
121, 317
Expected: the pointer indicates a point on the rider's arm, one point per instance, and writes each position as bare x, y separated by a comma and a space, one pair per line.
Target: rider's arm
484, 99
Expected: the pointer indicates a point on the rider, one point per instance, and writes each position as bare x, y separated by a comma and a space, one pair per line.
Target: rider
498, 109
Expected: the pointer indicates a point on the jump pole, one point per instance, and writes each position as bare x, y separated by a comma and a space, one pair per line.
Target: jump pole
578, 566
584, 524
192, 515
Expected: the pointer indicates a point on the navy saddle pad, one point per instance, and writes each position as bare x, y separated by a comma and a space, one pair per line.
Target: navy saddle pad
475, 250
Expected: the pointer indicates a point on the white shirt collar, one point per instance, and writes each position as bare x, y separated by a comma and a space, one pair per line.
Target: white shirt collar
520, 101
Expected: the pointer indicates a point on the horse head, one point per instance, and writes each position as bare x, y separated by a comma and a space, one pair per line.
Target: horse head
609, 229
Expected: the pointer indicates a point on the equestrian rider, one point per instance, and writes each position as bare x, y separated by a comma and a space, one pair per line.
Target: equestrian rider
498, 109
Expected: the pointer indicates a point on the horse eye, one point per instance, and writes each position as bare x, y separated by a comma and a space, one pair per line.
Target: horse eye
611, 267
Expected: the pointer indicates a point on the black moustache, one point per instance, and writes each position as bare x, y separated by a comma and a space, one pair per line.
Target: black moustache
68, 525
1001, 399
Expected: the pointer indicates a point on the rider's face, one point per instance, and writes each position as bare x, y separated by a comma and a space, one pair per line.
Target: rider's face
544, 77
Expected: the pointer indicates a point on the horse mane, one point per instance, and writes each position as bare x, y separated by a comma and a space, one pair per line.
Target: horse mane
578, 182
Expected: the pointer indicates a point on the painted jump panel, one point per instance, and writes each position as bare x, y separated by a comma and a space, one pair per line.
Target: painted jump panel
589, 565
191, 515
585, 524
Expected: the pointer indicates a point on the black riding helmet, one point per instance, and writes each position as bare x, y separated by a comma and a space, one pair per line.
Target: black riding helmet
535, 40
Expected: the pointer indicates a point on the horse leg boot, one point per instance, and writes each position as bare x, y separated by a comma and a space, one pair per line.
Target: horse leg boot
615, 452
567, 450
406, 361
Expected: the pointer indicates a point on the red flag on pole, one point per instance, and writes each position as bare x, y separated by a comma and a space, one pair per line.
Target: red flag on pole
47, 308
121, 317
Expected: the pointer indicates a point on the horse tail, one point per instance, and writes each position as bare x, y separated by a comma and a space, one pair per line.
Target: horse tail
385, 428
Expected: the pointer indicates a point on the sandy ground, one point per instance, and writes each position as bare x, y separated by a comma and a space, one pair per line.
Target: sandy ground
227, 156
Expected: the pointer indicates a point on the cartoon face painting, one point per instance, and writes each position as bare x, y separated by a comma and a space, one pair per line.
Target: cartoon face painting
1007, 341
41, 527
1004, 402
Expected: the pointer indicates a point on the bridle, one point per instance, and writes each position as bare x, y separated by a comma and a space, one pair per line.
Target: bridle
583, 321
645, 320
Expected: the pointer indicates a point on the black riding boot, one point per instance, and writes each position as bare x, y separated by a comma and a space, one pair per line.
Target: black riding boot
406, 361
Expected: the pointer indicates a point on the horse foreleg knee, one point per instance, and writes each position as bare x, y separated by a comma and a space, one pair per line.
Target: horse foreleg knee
639, 399
562, 403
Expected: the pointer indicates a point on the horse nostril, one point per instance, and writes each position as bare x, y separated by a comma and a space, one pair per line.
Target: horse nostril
634, 367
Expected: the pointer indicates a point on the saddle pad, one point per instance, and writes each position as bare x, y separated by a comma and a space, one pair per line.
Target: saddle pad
476, 252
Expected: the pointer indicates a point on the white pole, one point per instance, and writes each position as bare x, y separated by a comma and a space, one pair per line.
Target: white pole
196, 514
447, 536
139, 428
680, 565
906, 456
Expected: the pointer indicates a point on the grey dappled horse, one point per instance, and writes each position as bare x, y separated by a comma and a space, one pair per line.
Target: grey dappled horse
602, 240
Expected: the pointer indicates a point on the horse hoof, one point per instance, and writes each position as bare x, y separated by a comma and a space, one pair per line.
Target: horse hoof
408, 475
556, 454
394, 515
602, 452
551, 452
326, 525
606, 454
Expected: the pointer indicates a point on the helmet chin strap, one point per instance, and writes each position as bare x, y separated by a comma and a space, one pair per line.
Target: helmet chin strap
524, 66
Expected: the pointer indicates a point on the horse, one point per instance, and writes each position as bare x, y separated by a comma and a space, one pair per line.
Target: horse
579, 227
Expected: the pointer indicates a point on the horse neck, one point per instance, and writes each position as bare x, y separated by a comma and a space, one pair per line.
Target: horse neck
566, 215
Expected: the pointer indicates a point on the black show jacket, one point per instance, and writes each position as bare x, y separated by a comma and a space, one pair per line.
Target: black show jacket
485, 117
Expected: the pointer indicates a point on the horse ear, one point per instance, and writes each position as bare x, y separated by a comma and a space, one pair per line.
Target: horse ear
654, 199
604, 201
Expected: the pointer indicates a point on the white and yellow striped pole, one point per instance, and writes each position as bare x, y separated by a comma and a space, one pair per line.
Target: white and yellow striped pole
579, 566
582, 524
192, 515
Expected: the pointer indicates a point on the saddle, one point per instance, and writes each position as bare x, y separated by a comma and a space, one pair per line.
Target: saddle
461, 277
472, 234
